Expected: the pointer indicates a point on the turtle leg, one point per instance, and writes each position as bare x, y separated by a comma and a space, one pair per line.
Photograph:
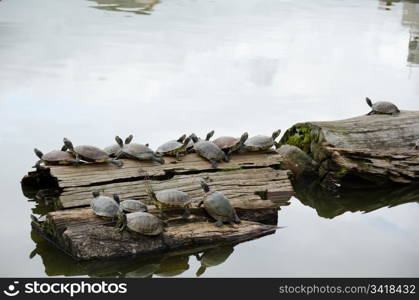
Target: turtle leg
214, 163
116, 162
38, 164
186, 213
236, 218
200, 203
371, 113
177, 155
218, 223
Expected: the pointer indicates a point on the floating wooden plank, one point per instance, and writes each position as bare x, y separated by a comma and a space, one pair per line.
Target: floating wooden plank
84, 236
362, 150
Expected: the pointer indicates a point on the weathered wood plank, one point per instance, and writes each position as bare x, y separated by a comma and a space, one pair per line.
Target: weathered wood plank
84, 236
370, 149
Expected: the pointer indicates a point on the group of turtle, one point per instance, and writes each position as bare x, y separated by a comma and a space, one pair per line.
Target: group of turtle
214, 151
132, 215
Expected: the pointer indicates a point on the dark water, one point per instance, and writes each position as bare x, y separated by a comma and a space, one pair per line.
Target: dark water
92, 69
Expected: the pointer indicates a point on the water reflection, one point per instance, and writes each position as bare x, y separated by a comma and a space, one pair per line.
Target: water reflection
143, 7
57, 263
330, 205
411, 18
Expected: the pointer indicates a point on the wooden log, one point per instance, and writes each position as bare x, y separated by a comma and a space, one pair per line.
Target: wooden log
84, 236
361, 151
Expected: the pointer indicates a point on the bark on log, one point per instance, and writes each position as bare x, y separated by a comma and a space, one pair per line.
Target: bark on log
361, 151
84, 236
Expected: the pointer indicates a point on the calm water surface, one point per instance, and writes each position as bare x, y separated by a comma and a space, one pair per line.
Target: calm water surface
92, 69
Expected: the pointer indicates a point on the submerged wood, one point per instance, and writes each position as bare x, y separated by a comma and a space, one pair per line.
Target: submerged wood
361, 151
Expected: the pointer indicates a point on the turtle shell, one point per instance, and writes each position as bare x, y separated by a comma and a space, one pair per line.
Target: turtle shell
384, 107
218, 207
144, 223
91, 153
259, 142
57, 156
226, 142
136, 149
132, 206
104, 206
209, 150
173, 198
112, 150
169, 147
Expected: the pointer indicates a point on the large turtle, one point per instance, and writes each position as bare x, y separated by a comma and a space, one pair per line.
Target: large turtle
231, 144
130, 205
173, 148
382, 107
194, 137
213, 257
104, 206
90, 153
137, 151
112, 150
218, 207
169, 199
210, 151
55, 157
262, 142
140, 222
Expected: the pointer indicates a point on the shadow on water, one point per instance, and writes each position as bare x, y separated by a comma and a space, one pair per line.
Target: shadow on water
330, 205
144, 7
57, 263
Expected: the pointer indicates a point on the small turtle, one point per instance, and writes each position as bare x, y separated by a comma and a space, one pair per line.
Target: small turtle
112, 150
140, 222
382, 107
104, 206
193, 137
170, 199
173, 148
129, 205
213, 257
231, 144
210, 151
137, 151
262, 142
218, 206
55, 157
90, 153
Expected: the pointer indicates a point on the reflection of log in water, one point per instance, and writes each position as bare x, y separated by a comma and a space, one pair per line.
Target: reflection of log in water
330, 205
134, 6
168, 265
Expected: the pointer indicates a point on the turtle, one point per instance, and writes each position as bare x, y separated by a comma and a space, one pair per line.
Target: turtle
382, 107
104, 206
262, 142
218, 206
140, 222
129, 205
173, 148
213, 257
137, 151
170, 199
210, 151
55, 157
231, 144
112, 150
193, 137
90, 153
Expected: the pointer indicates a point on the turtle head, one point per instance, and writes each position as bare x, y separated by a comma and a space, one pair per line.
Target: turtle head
95, 193
38, 153
209, 135
116, 198
181, 139
119, 141
275, 134
369, 102
194, 137
244, 137
186, 142
64, 148
128, 139
204, 186
121, 222
68, 144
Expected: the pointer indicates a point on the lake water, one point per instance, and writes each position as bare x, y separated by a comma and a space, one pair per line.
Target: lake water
90, 70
